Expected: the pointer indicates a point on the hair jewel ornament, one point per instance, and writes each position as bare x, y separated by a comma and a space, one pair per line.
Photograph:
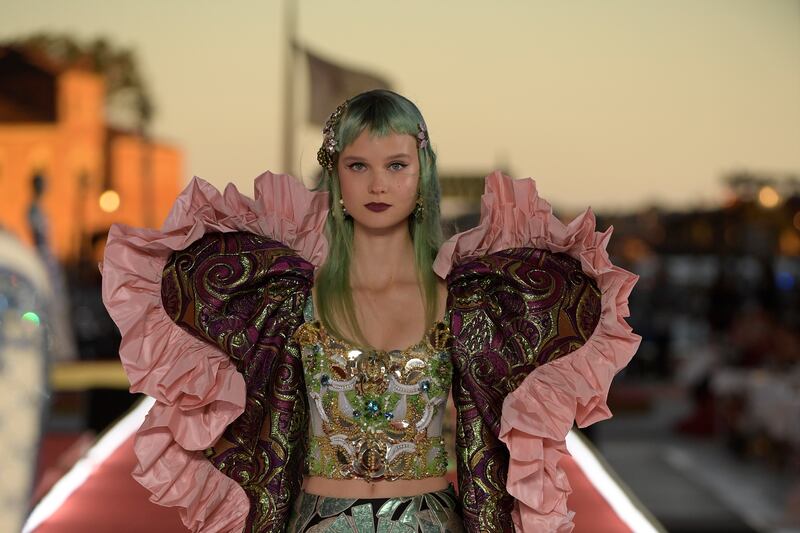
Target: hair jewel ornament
422, 136
326, 155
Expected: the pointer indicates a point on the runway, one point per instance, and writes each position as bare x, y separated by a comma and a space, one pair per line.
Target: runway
98, 494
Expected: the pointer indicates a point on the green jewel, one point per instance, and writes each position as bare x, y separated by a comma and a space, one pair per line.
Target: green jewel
373, 407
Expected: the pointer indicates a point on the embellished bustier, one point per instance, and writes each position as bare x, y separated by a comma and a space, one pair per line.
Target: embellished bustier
375, 415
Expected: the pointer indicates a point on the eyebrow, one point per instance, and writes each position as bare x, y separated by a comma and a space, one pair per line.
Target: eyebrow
358, 158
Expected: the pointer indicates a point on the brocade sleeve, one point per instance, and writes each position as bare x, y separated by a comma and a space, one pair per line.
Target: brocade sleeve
510, 312
207, 306
537, 312
246, 294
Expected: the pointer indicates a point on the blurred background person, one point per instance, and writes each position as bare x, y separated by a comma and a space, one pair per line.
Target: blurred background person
24, 296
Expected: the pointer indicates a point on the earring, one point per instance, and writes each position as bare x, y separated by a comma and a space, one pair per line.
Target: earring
419, 209
344, 209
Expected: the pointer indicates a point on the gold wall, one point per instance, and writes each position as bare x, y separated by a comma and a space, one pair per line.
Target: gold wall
81, 157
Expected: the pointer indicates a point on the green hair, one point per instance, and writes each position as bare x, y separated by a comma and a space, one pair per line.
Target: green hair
380, 112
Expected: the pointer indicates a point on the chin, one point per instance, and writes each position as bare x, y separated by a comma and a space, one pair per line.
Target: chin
375, 224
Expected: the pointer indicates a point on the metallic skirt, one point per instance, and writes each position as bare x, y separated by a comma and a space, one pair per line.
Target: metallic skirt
432, 512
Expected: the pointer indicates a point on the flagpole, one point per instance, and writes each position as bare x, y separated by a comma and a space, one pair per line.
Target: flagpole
290, 25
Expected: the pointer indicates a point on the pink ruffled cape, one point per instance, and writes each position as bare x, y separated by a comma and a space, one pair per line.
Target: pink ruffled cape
198, 391
537, 416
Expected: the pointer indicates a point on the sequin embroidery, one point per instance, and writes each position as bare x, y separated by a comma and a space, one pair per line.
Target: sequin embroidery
376, 415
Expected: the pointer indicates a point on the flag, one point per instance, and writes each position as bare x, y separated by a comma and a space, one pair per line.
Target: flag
332, 84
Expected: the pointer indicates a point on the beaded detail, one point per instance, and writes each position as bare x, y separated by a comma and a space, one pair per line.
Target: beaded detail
376, 415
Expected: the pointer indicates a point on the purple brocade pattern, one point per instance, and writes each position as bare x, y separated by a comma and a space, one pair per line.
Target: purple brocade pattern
510, 312
246, 294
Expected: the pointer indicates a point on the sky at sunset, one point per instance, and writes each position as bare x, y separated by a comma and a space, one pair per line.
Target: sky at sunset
617, 104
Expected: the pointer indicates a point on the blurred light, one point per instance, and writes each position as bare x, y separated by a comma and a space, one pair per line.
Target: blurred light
784, 281
768, 197
3, 302
30, 316
635, 249
730, 199
109, 201
789, 242
796, 221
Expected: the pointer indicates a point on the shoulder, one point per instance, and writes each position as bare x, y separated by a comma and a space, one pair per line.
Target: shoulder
522, 260
235, 255
282, 209
513, 215
227, 233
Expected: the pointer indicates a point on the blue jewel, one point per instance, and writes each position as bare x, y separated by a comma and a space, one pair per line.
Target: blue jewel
425, 386
372, 406
317, 349
388, 416
443, 356
356, 414
324, 379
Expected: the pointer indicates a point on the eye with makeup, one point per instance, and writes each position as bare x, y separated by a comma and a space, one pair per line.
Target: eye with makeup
356, 167
395, 166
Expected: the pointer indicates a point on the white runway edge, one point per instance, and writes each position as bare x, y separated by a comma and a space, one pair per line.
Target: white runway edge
112, 439
86, 465
598, 474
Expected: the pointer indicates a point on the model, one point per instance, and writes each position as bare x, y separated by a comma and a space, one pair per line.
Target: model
301, 345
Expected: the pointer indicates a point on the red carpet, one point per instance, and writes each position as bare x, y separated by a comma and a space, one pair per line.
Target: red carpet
110, 501
593, 514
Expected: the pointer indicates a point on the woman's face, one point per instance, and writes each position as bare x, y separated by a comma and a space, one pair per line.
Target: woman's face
379, 170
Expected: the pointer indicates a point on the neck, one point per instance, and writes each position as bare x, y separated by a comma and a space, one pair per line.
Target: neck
381, 258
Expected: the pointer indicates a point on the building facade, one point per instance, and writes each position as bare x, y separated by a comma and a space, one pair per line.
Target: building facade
90, 175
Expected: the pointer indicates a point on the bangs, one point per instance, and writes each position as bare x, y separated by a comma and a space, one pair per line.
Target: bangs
378, 114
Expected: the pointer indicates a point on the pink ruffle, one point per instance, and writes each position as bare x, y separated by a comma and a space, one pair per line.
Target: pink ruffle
537, 416
197, 389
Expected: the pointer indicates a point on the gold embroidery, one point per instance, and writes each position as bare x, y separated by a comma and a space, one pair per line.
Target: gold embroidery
376, 407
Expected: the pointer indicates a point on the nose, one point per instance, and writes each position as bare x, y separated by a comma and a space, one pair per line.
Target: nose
377, 183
